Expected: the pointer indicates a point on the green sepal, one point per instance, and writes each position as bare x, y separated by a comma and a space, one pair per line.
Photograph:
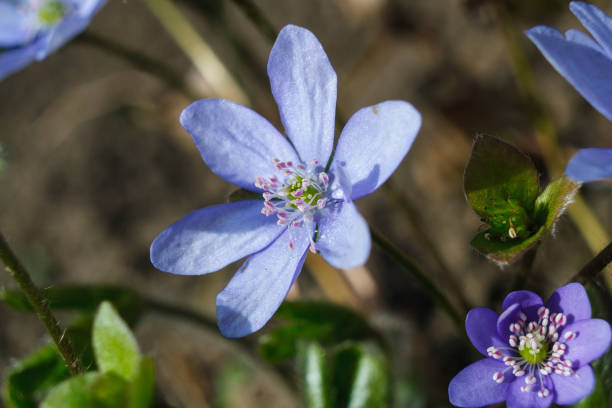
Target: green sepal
114, 345
325, 323
498, 174
549, 206
90, 390
84, 298
312, 365
243, 195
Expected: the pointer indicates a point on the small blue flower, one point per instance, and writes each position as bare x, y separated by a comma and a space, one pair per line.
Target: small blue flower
305, 205
32, 29
537, 353
587, 65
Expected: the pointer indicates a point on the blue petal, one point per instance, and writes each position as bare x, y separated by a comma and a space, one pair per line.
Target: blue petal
508, 316
529, 302
590, 165
572, 300
344, 236
596, 21
571, 389
589, 70
61, 34
374, 142
235, 142
592, 340
208, 239
261, 284
481, 328
304, 86
16, 26
530, 399
474, 385
18, 58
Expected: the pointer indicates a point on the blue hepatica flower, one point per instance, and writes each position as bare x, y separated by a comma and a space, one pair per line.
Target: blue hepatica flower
587, 64
304, 204
32, 29
537, 353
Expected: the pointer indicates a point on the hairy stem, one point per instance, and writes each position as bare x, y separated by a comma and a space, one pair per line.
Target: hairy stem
423, 280
40, 305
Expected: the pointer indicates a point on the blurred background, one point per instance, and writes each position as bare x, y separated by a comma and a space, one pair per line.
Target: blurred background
94, 164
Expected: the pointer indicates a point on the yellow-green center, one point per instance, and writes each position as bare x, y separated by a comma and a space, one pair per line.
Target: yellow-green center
309, 193
535, 358
51, 12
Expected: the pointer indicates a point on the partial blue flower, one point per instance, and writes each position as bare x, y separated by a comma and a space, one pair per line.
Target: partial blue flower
590, 165
587, 64
32, 29
537, 353
306, 205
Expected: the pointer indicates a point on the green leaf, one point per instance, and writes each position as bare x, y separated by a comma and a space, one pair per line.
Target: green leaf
32, 378
142, 388
360, 377
85, 298
498, 176
313, 371
90, 390
243, 195
114, 345
325, 323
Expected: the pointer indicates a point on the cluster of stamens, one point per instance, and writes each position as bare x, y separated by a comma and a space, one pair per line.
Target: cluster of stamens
296, 194
536, 350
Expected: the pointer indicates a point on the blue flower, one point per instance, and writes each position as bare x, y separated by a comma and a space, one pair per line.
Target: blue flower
587, 65
537, 353
305, 205
32, 29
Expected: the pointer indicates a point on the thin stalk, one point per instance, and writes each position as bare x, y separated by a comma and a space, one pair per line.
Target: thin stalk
139, 61
208, 64
186, 314
583, 216
417, 274
594, 266
40, 304
412, 216
257, 17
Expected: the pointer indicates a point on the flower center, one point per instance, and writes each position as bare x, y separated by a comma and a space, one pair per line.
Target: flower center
535, 350
51, 12
297, 194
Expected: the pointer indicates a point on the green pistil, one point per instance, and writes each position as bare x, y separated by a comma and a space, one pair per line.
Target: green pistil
528, 354
51, 12
309, 194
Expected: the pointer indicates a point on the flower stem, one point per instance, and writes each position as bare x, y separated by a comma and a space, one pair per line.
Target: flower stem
594, 266
585, 220
140, 61
40, 305
425, 282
